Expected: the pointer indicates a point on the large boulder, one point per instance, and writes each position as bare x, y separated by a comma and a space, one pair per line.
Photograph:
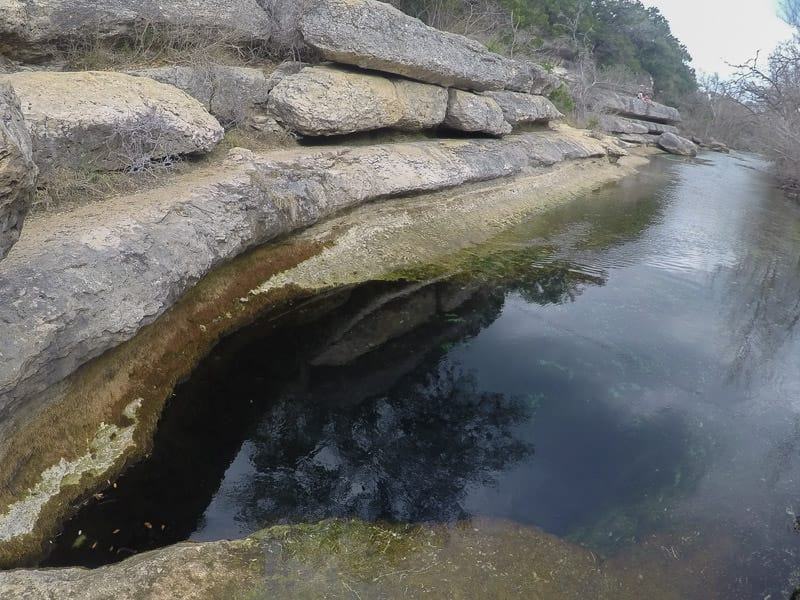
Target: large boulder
330, 101
525, 108
227, 92
109, 121
605, 101
615, 124
475, 114
675, 144
34, 29
17, 170
375, 35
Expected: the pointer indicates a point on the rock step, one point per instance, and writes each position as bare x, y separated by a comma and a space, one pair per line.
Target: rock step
80, 283
108, 121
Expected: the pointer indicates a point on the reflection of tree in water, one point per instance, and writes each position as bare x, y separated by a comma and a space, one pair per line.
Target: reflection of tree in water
557, 284
408, 455
762, 292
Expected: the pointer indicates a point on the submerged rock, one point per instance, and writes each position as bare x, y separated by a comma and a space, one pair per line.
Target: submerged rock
337, 559
108, 121
525, 108
229, 93
17, 170
375, 35
34, 29
331, 101
675, 144
477, 114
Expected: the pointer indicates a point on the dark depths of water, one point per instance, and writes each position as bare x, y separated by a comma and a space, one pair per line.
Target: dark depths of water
626, 365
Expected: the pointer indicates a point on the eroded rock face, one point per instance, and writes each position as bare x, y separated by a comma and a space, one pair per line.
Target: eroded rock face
330, 101
229, 93
109, 269
630, 106
474, 113
675, 144
524, 108
375, 35
108, 121
17, 170
33, 29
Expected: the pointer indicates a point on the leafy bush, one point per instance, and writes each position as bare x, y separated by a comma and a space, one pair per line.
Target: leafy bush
562, 99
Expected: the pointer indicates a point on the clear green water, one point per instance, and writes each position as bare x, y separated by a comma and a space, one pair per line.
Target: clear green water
620, 372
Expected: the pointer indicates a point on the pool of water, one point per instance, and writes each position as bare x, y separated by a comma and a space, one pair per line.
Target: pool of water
624, 367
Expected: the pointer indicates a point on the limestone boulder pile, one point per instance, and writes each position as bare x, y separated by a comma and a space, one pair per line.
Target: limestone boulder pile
108, 121
17, 170
330, 101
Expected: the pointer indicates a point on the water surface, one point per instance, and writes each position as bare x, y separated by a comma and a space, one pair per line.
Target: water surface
621, 370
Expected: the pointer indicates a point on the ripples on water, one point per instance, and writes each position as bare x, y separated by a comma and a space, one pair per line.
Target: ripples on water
624, 368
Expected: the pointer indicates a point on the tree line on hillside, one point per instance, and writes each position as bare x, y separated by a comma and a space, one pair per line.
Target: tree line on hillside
614, 34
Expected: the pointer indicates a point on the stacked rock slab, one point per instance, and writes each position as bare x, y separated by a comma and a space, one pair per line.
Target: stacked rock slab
17, 170
330, 101
108, 121
35, 29
635, 108
374, 35
616, 124
229, 93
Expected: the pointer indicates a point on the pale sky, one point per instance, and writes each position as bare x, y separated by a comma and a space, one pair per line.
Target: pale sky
720, 31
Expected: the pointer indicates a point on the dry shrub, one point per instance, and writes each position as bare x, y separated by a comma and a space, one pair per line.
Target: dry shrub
150, 45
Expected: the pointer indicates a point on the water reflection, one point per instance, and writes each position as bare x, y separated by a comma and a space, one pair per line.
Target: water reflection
621, 372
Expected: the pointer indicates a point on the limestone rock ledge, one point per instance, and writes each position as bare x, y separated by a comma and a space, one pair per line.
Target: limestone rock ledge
81, 283
34, 29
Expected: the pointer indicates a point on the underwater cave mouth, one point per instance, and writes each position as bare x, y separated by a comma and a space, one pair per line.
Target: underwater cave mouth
598, 374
